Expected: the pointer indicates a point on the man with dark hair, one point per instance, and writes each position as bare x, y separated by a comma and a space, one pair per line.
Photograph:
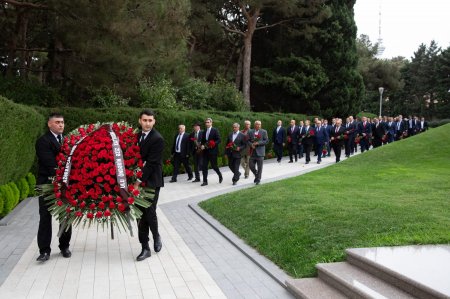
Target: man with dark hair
47, 148
151, 144
236, 143
210, 142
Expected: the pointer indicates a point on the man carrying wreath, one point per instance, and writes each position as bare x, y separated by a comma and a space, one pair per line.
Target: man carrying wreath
235, 145
151, 145
47, 148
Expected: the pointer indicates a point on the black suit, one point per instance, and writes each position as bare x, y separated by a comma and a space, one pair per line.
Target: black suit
195, 151
181, 154
364, 131
293, 135
152, 175
47, 148
348, 132
378, 133
338, 141
210, 154
307, 141
234, 156
278, 140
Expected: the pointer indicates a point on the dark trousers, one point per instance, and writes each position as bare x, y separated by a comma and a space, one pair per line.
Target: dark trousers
148, 221
353, 144
307, 148
177, 161
278, 149
300, 150
347, 147
337, 148
234, 164
376, 142
390, 138
364, 143
328, 148
44, 236
292, 148
209, 158
197, 165
256, 166
319, 148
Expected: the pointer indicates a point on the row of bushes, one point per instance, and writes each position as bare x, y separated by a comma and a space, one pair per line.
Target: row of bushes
20, 126
437, 123
160, 92
14, 192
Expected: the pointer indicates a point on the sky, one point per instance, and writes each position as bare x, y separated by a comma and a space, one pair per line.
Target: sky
405, 24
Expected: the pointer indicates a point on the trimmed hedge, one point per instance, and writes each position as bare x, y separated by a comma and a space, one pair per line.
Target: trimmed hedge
167, 121
20, 126
12, 193
437, 123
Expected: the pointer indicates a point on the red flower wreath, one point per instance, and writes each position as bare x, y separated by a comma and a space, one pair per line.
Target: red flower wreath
86, 188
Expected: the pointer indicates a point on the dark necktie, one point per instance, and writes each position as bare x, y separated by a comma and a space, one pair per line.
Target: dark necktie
142, 138
59, 138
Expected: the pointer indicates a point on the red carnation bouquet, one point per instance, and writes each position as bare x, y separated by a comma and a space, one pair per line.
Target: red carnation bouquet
211, 144
231, 146
94, 183
289, 139
310, 133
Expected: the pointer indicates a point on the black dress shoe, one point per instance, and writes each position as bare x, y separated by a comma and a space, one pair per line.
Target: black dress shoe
257, 182
318, 162
189, 178
307, 162
196, 181
204, 184
145, 253
172, 181
66, 252
220, 179
234, 183
246, 177
290, 162
43, 257
157, 245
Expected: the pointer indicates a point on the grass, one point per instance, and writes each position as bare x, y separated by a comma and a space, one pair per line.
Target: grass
398, 194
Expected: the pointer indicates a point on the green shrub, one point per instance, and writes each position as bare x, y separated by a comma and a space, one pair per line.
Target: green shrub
195, 94
31, 180
8, 199
437, 123
366, 114
157, 93
20, 126
106, 97
29, 92
225, 97
23, 187
2, 202
15, 193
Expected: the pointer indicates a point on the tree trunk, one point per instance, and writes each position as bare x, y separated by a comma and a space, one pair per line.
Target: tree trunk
238, 81
248, 54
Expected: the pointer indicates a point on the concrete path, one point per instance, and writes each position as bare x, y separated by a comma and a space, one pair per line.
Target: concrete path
196, 260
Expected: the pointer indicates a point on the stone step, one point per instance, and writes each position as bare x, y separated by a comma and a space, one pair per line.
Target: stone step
419, 270
356, 283
312, 288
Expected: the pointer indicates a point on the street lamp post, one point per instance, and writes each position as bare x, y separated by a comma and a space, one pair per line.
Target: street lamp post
380, 90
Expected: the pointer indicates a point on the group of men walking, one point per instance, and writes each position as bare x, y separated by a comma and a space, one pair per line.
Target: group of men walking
246, 147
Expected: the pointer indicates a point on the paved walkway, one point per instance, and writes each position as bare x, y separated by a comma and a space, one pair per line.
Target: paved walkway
196, 261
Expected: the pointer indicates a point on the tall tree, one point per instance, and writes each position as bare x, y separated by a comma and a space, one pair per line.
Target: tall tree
245, 17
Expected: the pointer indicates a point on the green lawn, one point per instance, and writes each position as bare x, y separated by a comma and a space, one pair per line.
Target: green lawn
395, 195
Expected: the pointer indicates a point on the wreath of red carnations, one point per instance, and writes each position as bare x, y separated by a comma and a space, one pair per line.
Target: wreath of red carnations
94, 183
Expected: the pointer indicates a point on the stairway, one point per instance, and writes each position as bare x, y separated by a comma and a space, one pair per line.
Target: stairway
379, 273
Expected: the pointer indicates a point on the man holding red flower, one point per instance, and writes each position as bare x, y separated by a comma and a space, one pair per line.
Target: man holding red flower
210, 142
151, 145
257, 140
307, 136
235, 145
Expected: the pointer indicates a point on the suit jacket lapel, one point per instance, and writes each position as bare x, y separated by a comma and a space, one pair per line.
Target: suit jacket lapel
54, 140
